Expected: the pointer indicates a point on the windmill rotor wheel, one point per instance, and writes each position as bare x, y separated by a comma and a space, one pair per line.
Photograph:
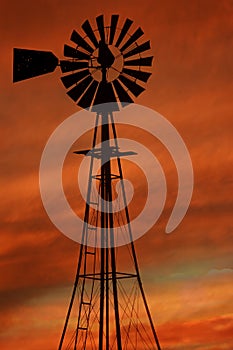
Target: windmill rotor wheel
106, 64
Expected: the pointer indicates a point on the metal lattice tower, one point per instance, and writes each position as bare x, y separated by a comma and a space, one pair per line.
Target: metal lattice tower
108, 307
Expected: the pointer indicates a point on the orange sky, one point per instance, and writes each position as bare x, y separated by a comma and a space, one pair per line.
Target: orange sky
188, 276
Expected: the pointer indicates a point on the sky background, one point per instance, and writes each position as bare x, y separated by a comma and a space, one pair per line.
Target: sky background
188, 275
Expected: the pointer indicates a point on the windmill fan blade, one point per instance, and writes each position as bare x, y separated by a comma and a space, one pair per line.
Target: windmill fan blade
79, 89
75, 53
113, 26
32, 63
100, 25
77, 39
131, 85
89, 31
68, 66
138, 49
124, 31
143, 76
136, 35
85, 101
71, 79
122, 94
142, 61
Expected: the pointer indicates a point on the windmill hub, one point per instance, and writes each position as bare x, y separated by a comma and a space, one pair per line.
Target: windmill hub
113, 70
106, 57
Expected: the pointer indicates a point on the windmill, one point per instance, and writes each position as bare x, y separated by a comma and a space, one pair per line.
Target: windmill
108, 307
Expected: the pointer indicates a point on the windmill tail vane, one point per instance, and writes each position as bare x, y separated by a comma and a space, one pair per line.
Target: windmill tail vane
108, 64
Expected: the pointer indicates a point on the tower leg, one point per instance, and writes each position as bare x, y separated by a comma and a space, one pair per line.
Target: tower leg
132, 244
107, 227
72, 298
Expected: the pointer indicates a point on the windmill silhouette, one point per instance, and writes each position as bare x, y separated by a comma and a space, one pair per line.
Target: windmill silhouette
108, 307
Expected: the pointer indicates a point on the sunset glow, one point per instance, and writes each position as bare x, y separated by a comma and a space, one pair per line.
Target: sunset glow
187, 275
